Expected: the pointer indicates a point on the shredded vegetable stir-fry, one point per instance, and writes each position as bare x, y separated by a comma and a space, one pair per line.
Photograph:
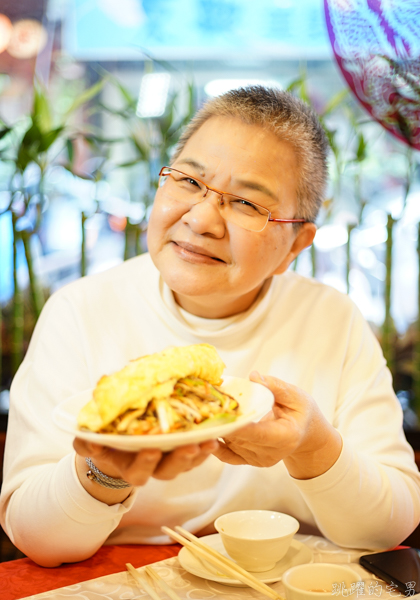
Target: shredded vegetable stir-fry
193, 403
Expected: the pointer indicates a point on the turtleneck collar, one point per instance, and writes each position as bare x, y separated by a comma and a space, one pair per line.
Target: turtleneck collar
217, 329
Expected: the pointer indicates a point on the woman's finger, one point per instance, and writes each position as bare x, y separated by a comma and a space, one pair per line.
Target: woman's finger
289, 400
184, 459
138, 467
226, 455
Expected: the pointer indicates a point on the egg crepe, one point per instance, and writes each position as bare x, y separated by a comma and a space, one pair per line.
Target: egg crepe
149, 377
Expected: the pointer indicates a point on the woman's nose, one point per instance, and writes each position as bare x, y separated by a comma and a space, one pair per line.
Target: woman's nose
204, 217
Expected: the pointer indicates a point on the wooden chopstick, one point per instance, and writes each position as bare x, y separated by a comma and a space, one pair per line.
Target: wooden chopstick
141, 581
155, 577
238, 569
162, 584
224, 564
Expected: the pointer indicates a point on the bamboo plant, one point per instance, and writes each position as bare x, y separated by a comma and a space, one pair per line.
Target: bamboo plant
150, 140
34, 142
299, 87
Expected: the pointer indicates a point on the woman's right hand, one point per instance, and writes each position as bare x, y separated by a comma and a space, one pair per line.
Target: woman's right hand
136, 467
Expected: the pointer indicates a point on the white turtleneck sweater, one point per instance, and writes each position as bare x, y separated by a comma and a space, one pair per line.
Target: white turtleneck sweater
299, 330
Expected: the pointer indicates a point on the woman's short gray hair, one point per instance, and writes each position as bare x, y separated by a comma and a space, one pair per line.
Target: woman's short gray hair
287, 117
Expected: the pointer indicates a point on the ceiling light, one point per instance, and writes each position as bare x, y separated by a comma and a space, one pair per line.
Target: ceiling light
153, 94
28, 39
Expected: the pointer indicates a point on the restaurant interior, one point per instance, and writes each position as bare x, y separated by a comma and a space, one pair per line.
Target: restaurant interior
122, 80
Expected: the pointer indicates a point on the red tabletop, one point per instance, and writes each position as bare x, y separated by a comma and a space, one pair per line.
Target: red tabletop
20, 578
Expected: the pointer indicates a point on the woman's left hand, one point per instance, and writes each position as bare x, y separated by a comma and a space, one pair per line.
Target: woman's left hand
295, 431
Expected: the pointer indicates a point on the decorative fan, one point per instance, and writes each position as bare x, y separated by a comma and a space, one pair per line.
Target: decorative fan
376, 44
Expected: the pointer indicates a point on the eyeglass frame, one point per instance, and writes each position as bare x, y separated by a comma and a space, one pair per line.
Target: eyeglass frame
221, 194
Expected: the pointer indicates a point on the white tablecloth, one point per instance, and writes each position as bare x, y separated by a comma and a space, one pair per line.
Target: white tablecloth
120, 586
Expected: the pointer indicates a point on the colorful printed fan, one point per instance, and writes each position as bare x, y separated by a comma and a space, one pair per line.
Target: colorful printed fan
376, 44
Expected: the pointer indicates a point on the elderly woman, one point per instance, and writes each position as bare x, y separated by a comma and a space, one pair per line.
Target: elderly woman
233, 210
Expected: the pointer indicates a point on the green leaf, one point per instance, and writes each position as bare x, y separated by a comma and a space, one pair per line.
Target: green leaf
299, 86
31, 136
131, 102
295, 84
166, 121
191, 101
120, 112
41, 113
48, 138
4, 132
130, 163
330, 133
85, 97
335, 102
70, 152
361, 148
142, 149
91, 137
28, 149
24, 157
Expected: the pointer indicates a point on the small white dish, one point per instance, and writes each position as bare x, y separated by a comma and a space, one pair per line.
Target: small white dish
297, 554
319, 581
254, 399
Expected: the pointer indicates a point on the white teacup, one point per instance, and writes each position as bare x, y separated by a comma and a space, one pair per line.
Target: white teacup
317, 581
256, 539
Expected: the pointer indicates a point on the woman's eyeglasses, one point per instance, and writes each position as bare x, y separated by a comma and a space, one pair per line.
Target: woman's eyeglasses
185, 189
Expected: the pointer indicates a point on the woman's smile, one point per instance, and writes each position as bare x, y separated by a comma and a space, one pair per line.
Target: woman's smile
195, 254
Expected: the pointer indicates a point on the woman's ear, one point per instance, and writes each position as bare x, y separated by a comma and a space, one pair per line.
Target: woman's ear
303, 238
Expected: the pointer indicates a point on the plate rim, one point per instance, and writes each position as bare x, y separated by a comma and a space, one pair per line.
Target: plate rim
164, 441
236, 582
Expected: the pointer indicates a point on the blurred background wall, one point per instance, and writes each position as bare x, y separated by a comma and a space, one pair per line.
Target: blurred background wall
94, 95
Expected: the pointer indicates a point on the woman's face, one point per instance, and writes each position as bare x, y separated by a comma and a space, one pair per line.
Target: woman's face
215, 268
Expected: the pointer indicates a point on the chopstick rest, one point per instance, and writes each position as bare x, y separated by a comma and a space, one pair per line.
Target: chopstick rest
196, 546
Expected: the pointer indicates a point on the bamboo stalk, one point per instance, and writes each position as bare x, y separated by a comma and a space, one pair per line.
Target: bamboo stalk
350, 228
17, 310
127, 239
138, 234
313, 260
37, 296
83, 261
388, 327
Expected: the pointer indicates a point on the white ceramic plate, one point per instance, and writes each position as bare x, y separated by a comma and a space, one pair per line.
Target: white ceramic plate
254, 400
298, 554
